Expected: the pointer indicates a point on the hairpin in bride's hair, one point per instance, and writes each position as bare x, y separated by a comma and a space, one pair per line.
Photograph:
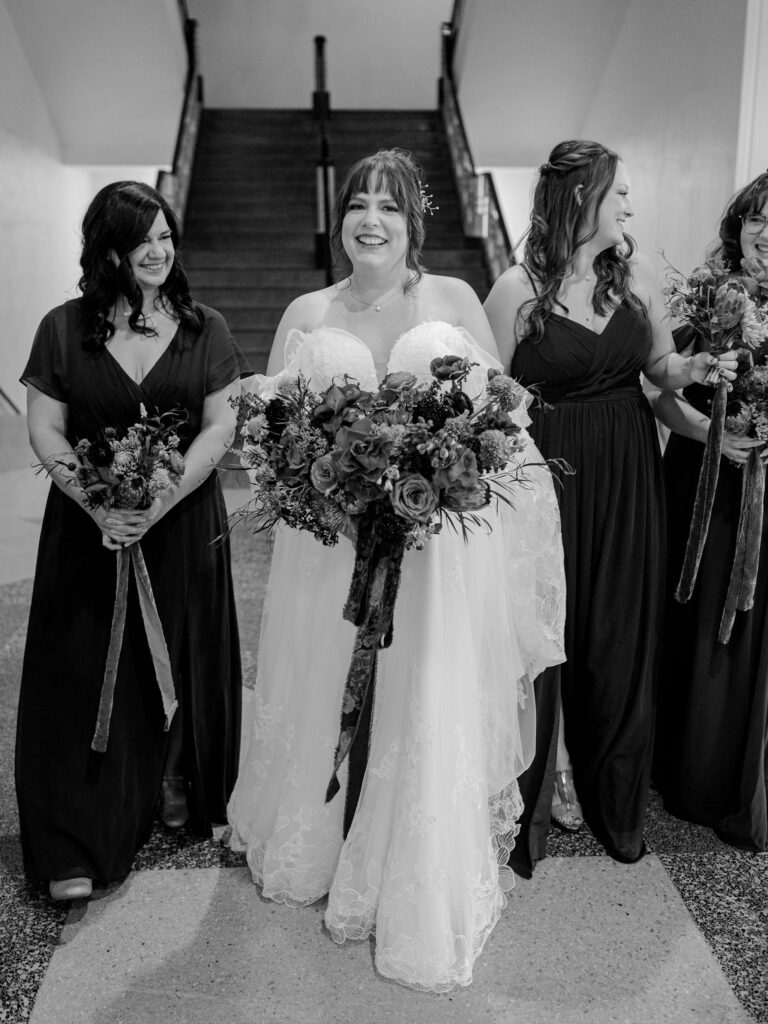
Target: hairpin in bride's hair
426, 200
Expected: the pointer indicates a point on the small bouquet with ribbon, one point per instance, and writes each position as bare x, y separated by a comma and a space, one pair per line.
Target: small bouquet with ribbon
129, 471
726, 311
389, 468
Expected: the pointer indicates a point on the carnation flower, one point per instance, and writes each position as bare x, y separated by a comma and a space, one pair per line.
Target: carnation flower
158, 482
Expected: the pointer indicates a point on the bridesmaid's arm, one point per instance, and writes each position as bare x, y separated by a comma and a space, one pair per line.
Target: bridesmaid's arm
217, 430
47, 420
672, 409
502, 307
665, 367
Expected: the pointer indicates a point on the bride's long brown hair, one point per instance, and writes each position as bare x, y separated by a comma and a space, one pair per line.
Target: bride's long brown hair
572, 184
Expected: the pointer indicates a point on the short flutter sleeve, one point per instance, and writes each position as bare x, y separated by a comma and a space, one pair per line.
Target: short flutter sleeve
226, 363
46, 367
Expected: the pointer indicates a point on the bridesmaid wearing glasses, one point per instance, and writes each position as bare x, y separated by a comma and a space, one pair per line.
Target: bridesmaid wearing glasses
712, 735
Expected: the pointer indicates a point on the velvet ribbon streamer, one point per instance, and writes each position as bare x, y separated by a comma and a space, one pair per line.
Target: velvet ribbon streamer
705, 497
127, 558
370, 606
741, 587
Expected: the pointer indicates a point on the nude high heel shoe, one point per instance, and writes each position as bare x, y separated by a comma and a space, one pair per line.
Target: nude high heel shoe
566, 809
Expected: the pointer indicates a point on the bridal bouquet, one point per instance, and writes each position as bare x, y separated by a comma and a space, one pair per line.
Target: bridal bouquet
388, 467
409, 456
128, 471
726, 311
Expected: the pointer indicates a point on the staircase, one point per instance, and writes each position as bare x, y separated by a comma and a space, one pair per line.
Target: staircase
249, 238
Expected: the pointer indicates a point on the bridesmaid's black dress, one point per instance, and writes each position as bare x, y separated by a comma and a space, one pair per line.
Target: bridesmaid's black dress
84, 813
711, 757
612, 513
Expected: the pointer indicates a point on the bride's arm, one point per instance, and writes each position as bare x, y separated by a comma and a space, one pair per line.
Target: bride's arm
467, 312
303, 314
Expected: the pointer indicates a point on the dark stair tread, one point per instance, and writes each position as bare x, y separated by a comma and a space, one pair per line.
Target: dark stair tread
249, 241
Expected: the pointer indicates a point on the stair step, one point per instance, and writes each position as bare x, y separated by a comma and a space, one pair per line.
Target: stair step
249, 243
281, 256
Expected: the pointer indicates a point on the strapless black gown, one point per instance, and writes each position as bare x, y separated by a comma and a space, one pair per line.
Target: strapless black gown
612, 513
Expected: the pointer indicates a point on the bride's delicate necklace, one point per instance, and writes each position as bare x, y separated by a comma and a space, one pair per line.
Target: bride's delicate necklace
376, 306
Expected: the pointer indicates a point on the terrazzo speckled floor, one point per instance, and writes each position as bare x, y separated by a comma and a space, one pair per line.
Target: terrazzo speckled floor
723, 910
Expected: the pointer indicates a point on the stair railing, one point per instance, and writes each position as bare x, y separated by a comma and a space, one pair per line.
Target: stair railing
174, 185
325, 170
480, 208
5, 397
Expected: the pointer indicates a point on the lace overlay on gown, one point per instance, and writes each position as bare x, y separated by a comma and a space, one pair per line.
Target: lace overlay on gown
424, 863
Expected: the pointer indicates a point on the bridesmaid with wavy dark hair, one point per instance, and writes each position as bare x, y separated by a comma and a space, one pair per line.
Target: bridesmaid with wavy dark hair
134, 338
580, 319
711, 759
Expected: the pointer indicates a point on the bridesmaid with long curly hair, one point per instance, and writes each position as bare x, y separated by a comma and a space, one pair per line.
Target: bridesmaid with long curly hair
579, 319
135, 337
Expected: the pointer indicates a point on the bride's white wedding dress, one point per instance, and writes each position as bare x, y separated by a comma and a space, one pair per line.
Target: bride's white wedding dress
424, 864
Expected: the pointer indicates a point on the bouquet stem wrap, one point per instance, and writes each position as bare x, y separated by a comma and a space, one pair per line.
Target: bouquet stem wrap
705, 497
127, 558
370, 606
741, 588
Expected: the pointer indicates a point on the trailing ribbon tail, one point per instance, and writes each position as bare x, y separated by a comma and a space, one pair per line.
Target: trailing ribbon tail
370, 605
741, 587
158, 648
705, 497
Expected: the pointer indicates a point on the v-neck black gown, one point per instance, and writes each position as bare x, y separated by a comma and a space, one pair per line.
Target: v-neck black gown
612, 512
84, 813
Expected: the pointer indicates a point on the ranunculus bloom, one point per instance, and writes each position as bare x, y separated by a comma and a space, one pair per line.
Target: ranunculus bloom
448, 367
414, 498
100, 454
324, 474
461, 473
365, 449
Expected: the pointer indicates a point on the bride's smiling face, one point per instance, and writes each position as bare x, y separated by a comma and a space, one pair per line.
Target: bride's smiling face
374, 231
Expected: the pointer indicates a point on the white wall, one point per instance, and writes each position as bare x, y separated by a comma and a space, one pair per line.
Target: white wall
42, 201
112, 75
380, 53
669, 102
41, 204
752, 156
658, 80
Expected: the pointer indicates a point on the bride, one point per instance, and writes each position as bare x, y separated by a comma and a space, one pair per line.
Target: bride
423, 865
